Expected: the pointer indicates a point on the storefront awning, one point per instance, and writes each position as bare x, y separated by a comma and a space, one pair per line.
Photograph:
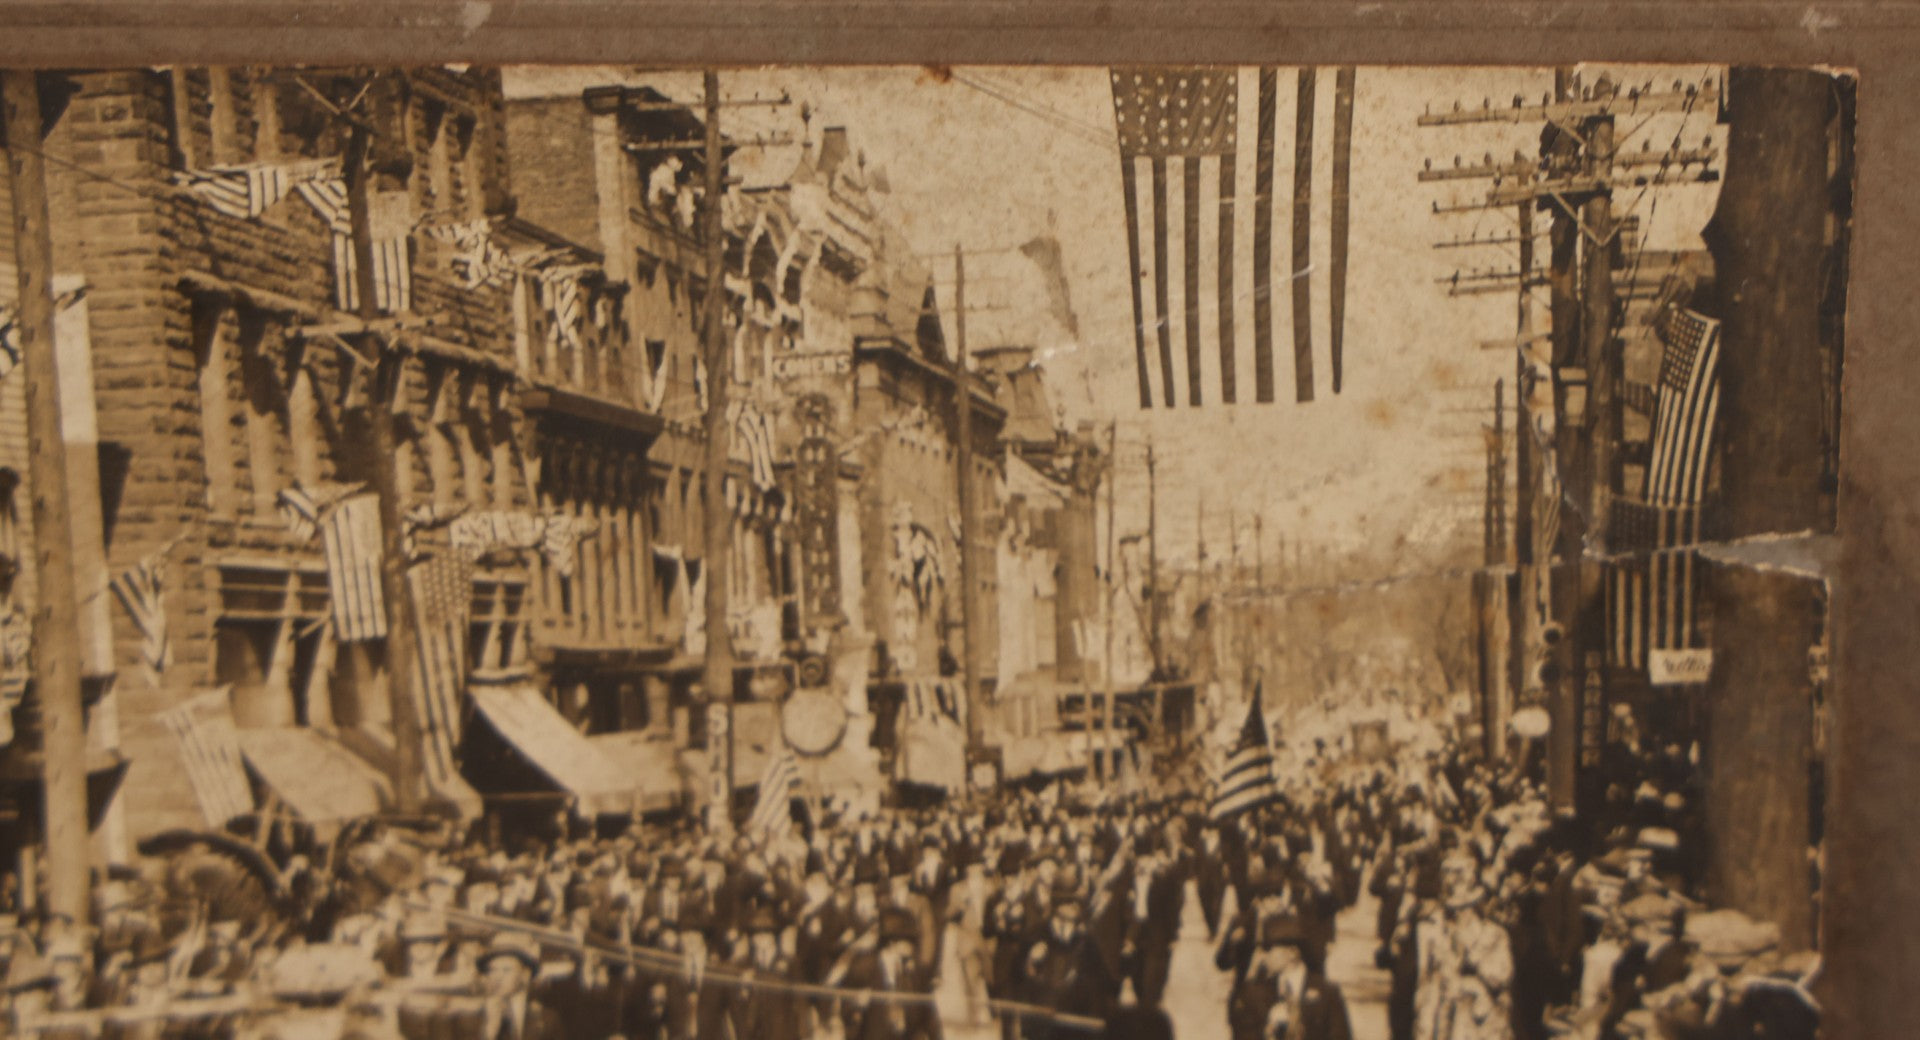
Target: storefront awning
648, 764
315, 775
525, 720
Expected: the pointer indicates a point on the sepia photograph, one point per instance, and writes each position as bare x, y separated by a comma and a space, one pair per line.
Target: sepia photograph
919, 552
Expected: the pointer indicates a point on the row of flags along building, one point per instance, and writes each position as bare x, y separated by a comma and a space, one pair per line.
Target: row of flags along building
1203, 203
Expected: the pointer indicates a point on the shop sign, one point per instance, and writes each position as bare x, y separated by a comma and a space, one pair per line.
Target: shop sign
1679, 667
811, 366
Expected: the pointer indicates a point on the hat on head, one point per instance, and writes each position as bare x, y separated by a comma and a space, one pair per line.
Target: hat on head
763, 920
898, 926
1282, 930
423, 927
507, 944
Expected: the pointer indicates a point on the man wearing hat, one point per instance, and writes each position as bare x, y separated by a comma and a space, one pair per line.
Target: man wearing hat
1064, 971
762, 1008
509, 1010
897, 1000
1281, 996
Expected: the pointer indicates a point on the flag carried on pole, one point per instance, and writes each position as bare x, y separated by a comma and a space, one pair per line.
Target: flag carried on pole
772, 809
1246, 781
1201, 251
1651, 589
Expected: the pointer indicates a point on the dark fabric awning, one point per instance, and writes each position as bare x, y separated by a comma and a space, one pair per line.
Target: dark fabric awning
524, 719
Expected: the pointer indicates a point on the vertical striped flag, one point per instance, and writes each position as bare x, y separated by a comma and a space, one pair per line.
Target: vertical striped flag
1246, 780
441, 588
203, 728
1651, 590
772, 807
389, 214
350, 533
561, 291
1201, 254
140, 590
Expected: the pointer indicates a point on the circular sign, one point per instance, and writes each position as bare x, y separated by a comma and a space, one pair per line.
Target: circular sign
1531, 723
813, 721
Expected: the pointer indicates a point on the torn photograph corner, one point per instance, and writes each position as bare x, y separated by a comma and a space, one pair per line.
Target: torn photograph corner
1266, 553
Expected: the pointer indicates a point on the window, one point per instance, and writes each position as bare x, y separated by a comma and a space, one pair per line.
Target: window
268, 450
267, 639
214, 357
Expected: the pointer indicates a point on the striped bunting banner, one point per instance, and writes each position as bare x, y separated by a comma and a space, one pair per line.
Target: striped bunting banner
246, 192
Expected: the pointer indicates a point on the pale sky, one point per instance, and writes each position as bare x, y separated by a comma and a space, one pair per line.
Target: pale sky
1393, 466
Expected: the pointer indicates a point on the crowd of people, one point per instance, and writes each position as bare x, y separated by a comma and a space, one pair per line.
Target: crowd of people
1058, 913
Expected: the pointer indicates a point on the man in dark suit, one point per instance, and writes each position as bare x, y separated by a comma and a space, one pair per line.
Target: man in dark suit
1282, 997
896, 1001
510, 1011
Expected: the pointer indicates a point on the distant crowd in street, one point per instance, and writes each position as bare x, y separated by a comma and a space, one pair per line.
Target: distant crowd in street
1054, 913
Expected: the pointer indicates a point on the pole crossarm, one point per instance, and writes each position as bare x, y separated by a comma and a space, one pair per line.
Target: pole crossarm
1629, 103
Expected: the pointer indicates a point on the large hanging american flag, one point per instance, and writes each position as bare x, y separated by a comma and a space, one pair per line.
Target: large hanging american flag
1202, 261
441, 588
1246, 781
1651, 589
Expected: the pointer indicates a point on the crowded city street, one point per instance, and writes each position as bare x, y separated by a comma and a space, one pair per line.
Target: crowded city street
786, 553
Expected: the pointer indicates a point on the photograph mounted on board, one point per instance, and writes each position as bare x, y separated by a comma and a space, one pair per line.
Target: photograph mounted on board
1322, 553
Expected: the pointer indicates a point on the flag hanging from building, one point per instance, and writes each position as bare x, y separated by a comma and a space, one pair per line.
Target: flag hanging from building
441, 588
477, 259
1201, 252
752, 431
389, 214
560, 291
773, 805
1651, 587
203, 728
350, 535
140, 590
16, 667
1246, 780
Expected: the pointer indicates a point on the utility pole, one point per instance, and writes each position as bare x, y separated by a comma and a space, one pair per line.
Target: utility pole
1601, 350
718, 529
409, 784
1112, 474
1153, 564
1259, 555
963, 463
1490, 588
56, 621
